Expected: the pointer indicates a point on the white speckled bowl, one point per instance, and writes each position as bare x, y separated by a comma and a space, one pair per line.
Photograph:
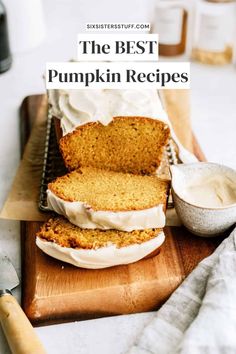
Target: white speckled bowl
202, 221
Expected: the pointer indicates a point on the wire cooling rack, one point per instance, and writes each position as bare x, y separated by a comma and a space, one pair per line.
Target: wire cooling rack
53, 165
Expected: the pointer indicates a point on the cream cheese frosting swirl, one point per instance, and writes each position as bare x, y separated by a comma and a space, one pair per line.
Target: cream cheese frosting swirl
78, 107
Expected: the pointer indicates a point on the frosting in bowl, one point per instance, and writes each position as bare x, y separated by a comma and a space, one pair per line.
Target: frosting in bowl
78, 107
102, 257
211, 191
84, 216
204, 195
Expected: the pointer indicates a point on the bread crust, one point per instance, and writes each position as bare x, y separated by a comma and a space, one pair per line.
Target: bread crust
58, 130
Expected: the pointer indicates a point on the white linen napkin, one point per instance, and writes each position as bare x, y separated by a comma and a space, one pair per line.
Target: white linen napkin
200, 316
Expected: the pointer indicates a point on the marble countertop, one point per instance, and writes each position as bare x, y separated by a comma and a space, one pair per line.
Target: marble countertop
213, 98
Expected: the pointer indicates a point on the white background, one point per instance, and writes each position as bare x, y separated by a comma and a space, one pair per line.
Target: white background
213, 120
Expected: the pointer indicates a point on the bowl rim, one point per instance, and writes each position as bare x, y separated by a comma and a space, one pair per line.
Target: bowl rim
200, 207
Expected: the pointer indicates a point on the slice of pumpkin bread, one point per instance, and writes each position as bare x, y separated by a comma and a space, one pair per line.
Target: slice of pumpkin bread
126, 144
62, 232
96, 249
109, 190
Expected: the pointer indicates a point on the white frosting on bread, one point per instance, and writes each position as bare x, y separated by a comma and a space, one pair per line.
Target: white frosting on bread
102, 257
84, 216
78, 107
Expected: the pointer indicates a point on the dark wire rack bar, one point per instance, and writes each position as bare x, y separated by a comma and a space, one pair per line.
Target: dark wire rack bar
53, 165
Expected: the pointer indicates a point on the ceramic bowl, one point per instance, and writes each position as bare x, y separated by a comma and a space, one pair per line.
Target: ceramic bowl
202, 221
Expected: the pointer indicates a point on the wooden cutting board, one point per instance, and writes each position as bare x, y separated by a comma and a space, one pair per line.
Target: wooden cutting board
53, 291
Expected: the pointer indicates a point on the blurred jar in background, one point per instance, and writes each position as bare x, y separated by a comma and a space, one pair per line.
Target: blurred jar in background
170, 21
213, 34
5, 55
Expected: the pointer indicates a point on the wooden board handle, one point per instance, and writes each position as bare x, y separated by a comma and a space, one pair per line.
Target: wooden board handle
21, 337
